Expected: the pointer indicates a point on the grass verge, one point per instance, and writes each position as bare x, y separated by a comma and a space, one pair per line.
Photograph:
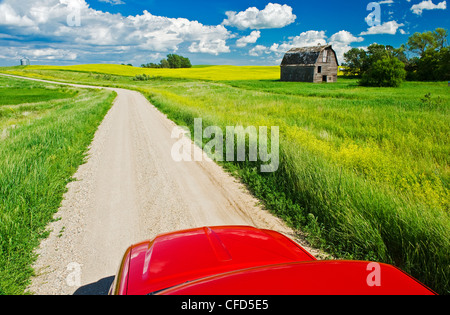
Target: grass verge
38, 158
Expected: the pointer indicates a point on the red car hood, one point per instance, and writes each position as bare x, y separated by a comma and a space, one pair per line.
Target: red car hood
176, 258
307, 278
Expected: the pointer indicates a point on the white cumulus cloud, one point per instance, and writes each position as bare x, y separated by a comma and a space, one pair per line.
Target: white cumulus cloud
213, 47
39, 54
390, 27
274, 15
259, 50
76, 27
250, 39
340, 41
113, 2
428, 5
305, 39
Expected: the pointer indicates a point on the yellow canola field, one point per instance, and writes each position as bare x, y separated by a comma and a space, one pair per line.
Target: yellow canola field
214, 73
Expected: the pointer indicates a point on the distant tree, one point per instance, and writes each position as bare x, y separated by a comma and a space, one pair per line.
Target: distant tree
425, 57
385, 72
185, 63
430, 56
440, 35
400, 53
354, 60
434, 65
176, 61
172, 61
419, 43
444, 65
376, 52
359, 60
150, 65
164, 63
379, 65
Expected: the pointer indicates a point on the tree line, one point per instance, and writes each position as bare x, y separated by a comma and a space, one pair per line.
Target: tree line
172, 61
425, 57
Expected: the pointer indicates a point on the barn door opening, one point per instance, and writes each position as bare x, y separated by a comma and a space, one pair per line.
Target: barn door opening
324, 78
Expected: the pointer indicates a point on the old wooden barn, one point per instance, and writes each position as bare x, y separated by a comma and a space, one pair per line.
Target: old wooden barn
310, 64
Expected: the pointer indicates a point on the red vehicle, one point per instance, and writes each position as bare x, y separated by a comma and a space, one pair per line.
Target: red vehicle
241, 260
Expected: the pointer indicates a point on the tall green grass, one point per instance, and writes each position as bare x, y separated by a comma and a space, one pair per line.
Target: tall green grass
38, 158
16, 92
367, 178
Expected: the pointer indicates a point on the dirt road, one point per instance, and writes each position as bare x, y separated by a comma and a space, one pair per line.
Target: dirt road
131, 190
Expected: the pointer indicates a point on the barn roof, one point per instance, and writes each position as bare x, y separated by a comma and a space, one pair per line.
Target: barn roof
303, 55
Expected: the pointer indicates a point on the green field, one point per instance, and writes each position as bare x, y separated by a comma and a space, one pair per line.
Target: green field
364, 171
45, 131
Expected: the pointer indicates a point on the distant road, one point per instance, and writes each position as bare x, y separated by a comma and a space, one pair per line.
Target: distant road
131, 190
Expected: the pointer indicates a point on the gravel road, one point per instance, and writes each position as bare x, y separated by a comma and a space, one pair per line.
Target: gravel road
131, 190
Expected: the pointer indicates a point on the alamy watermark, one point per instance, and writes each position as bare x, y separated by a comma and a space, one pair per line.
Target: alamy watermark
374, 18
374, 277
229, 145
74, 17
73, 278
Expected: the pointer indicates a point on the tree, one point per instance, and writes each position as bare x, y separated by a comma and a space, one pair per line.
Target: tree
164, 64
172, 61
419, 42
400, 53
359, 60
379, 65
425, 57
444, 65
185, 63
434, 65
176, 61
385, 72
354, 60
440, 34
150, 65
376, 52
430, 56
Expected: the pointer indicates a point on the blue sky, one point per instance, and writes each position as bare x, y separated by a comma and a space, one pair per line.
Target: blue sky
245, 32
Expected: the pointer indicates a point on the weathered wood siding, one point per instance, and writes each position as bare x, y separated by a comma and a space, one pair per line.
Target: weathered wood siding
316, 71
328, 69
298, 73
